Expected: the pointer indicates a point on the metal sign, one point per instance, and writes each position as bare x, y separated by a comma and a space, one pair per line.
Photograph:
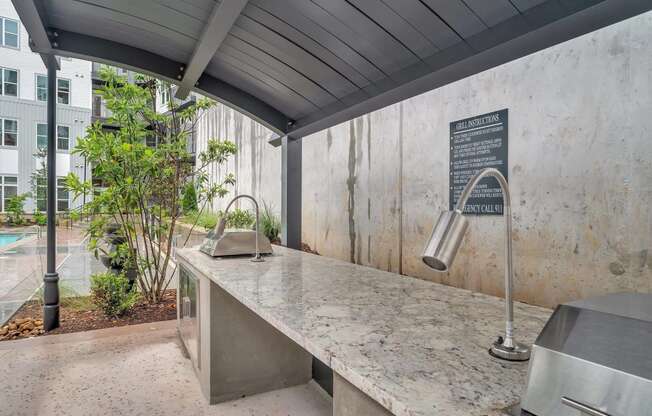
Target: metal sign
476, 143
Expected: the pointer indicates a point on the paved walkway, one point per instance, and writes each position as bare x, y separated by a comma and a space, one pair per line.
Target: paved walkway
135, 370
22, 266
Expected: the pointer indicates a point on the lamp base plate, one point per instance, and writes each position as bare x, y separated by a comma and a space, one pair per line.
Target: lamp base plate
519, 352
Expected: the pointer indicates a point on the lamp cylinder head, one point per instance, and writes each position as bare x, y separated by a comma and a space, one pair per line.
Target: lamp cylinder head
445, 240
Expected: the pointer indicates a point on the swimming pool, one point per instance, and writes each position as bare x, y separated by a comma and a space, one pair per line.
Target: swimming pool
9, 238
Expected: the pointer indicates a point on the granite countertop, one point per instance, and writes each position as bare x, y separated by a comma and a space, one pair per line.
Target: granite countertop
416, 347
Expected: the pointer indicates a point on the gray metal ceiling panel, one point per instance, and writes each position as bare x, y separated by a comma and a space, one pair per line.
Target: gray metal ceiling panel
373, 53
273, 44
146, 12
458, 16
523, 5
311, 28
366, 27
254, 85
199, 9
492, 12
294, 101
426, 22
277, 70
177, 48
307, 43
396, 26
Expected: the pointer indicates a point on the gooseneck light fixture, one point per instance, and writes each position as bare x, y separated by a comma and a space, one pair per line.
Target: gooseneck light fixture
445, 241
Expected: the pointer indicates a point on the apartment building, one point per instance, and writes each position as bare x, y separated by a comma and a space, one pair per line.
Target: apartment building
23, 115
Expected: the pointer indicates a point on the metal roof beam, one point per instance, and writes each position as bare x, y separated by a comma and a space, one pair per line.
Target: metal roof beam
217, 27
81, 46
32, 19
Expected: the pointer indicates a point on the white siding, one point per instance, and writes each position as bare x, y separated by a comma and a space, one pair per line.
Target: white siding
29, 64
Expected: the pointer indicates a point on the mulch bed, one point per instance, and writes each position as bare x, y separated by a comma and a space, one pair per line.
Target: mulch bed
75, 319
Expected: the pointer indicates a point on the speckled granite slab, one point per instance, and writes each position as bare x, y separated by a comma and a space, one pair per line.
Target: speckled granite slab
416, 347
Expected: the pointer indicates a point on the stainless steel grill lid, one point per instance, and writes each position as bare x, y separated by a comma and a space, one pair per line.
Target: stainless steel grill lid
594, 357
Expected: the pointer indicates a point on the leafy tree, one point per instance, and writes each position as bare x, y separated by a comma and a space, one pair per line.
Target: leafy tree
39, 177
143, 184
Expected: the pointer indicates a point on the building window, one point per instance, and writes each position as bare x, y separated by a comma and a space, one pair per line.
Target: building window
97, 106
63, 91
9, 132
165, 96
62, 195
9, 32
41, 88
63, 137
42, 193
9, 81
42, 136
151, 141
8, 190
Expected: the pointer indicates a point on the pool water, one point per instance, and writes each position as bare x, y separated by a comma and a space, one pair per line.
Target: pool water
9, 238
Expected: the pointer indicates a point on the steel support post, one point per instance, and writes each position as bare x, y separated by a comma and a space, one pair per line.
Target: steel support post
291, 193
51, 278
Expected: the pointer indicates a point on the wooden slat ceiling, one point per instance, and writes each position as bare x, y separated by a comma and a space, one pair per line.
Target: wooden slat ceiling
314, 58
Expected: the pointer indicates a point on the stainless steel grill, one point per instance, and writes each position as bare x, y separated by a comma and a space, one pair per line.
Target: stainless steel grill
594, 357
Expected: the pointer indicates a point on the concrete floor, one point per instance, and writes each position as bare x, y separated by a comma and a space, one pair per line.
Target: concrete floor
22, 266
135, 370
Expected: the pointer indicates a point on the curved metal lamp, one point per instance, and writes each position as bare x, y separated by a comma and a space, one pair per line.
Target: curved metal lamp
222, 224
445, 241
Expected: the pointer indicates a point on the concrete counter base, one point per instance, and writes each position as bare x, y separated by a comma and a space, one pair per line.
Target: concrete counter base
240, 353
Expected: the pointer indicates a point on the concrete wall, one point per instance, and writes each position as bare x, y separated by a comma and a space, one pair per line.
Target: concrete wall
257, 165
580, 153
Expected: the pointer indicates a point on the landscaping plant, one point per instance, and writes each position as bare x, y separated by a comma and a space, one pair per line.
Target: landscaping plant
143, 185
39, 218
240, 218
111, 293
14, 207
270, 224
189, 201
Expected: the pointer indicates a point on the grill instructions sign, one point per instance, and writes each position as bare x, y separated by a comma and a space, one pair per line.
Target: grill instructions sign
476, 143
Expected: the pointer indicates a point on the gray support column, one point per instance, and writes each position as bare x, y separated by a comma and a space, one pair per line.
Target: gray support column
348, 400
291, 192
51, 278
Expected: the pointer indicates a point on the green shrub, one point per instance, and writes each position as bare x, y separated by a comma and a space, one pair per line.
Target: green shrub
40, 218
189, 198
240, 218
207, 220
15, 209
270, 224
110, 292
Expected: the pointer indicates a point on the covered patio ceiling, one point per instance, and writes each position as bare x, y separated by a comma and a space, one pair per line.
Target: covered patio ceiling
299, 66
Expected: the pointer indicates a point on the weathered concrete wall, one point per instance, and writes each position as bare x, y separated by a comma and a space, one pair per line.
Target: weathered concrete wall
580, 153
257, 165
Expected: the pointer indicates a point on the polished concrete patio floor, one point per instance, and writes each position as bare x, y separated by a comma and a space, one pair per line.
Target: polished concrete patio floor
135, 370
22, 266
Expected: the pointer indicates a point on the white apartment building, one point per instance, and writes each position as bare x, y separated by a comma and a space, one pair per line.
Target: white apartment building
23, 115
